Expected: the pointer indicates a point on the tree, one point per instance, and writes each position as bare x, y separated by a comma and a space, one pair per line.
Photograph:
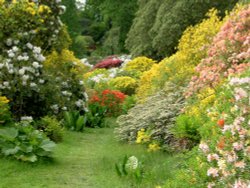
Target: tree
159, 25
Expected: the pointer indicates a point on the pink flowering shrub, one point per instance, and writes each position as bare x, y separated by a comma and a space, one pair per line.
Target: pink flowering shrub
225, 146
108, 63
229, 53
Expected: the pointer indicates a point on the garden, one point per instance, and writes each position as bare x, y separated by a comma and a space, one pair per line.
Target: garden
107, 93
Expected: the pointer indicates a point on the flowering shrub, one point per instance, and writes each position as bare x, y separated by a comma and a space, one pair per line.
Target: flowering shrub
226, 140
157, 116
64, 89
23, 50
139, 65
228, 54
108, 63
110, 99
98, 79
179, 67
124, 84
5, 116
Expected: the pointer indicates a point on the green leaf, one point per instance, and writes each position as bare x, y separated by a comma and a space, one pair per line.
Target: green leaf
119, 172
10, 151
80, 123
47, 145
9, 134
31, 158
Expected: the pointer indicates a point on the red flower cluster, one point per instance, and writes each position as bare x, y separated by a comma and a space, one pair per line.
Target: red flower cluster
110, 99
108, 63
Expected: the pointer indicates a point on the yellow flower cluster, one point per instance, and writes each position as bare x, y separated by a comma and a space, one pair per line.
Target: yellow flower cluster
125, 84
196, 39
4, 100
139, 64
142, 137
180, 67
204, 99
145, 87
44, 8
153, 147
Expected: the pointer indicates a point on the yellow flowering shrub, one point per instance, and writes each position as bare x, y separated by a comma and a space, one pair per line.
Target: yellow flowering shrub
180, 67
124, 84
145, 83
5, 116
139, 65
204, 99
66, 56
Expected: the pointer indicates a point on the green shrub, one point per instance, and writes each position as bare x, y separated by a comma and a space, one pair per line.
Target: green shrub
51, 128
25, 143
95, 116
187, 127
128, 103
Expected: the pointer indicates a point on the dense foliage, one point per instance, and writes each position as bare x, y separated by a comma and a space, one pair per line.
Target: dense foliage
158, 25
180, 67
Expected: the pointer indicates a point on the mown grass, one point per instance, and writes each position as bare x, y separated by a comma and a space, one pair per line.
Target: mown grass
88, 160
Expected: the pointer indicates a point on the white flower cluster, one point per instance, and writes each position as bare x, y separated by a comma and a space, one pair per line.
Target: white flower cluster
86, 63
27, 118
22, 64
132, 163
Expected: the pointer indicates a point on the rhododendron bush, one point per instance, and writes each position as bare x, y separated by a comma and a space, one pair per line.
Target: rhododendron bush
229, 53
109, 62
29, 30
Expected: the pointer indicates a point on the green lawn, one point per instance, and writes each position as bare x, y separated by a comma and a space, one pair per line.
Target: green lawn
87, 160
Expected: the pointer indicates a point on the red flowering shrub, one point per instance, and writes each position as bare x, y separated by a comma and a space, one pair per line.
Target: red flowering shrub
229, 53
109, 99
108, 63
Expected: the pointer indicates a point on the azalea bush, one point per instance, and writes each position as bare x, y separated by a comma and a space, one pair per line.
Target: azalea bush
139, 65
110, 99
225, 141
229, 53
179, 68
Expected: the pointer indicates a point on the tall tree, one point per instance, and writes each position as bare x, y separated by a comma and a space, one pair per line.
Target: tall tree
159, 24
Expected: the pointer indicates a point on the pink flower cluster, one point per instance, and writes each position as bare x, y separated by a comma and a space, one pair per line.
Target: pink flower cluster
229, 158
108, 63
229, 54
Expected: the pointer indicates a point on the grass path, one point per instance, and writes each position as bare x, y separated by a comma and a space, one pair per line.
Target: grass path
86, 160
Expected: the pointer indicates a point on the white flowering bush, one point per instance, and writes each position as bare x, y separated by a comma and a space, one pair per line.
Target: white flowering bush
64, 89
29, 30
157, 115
